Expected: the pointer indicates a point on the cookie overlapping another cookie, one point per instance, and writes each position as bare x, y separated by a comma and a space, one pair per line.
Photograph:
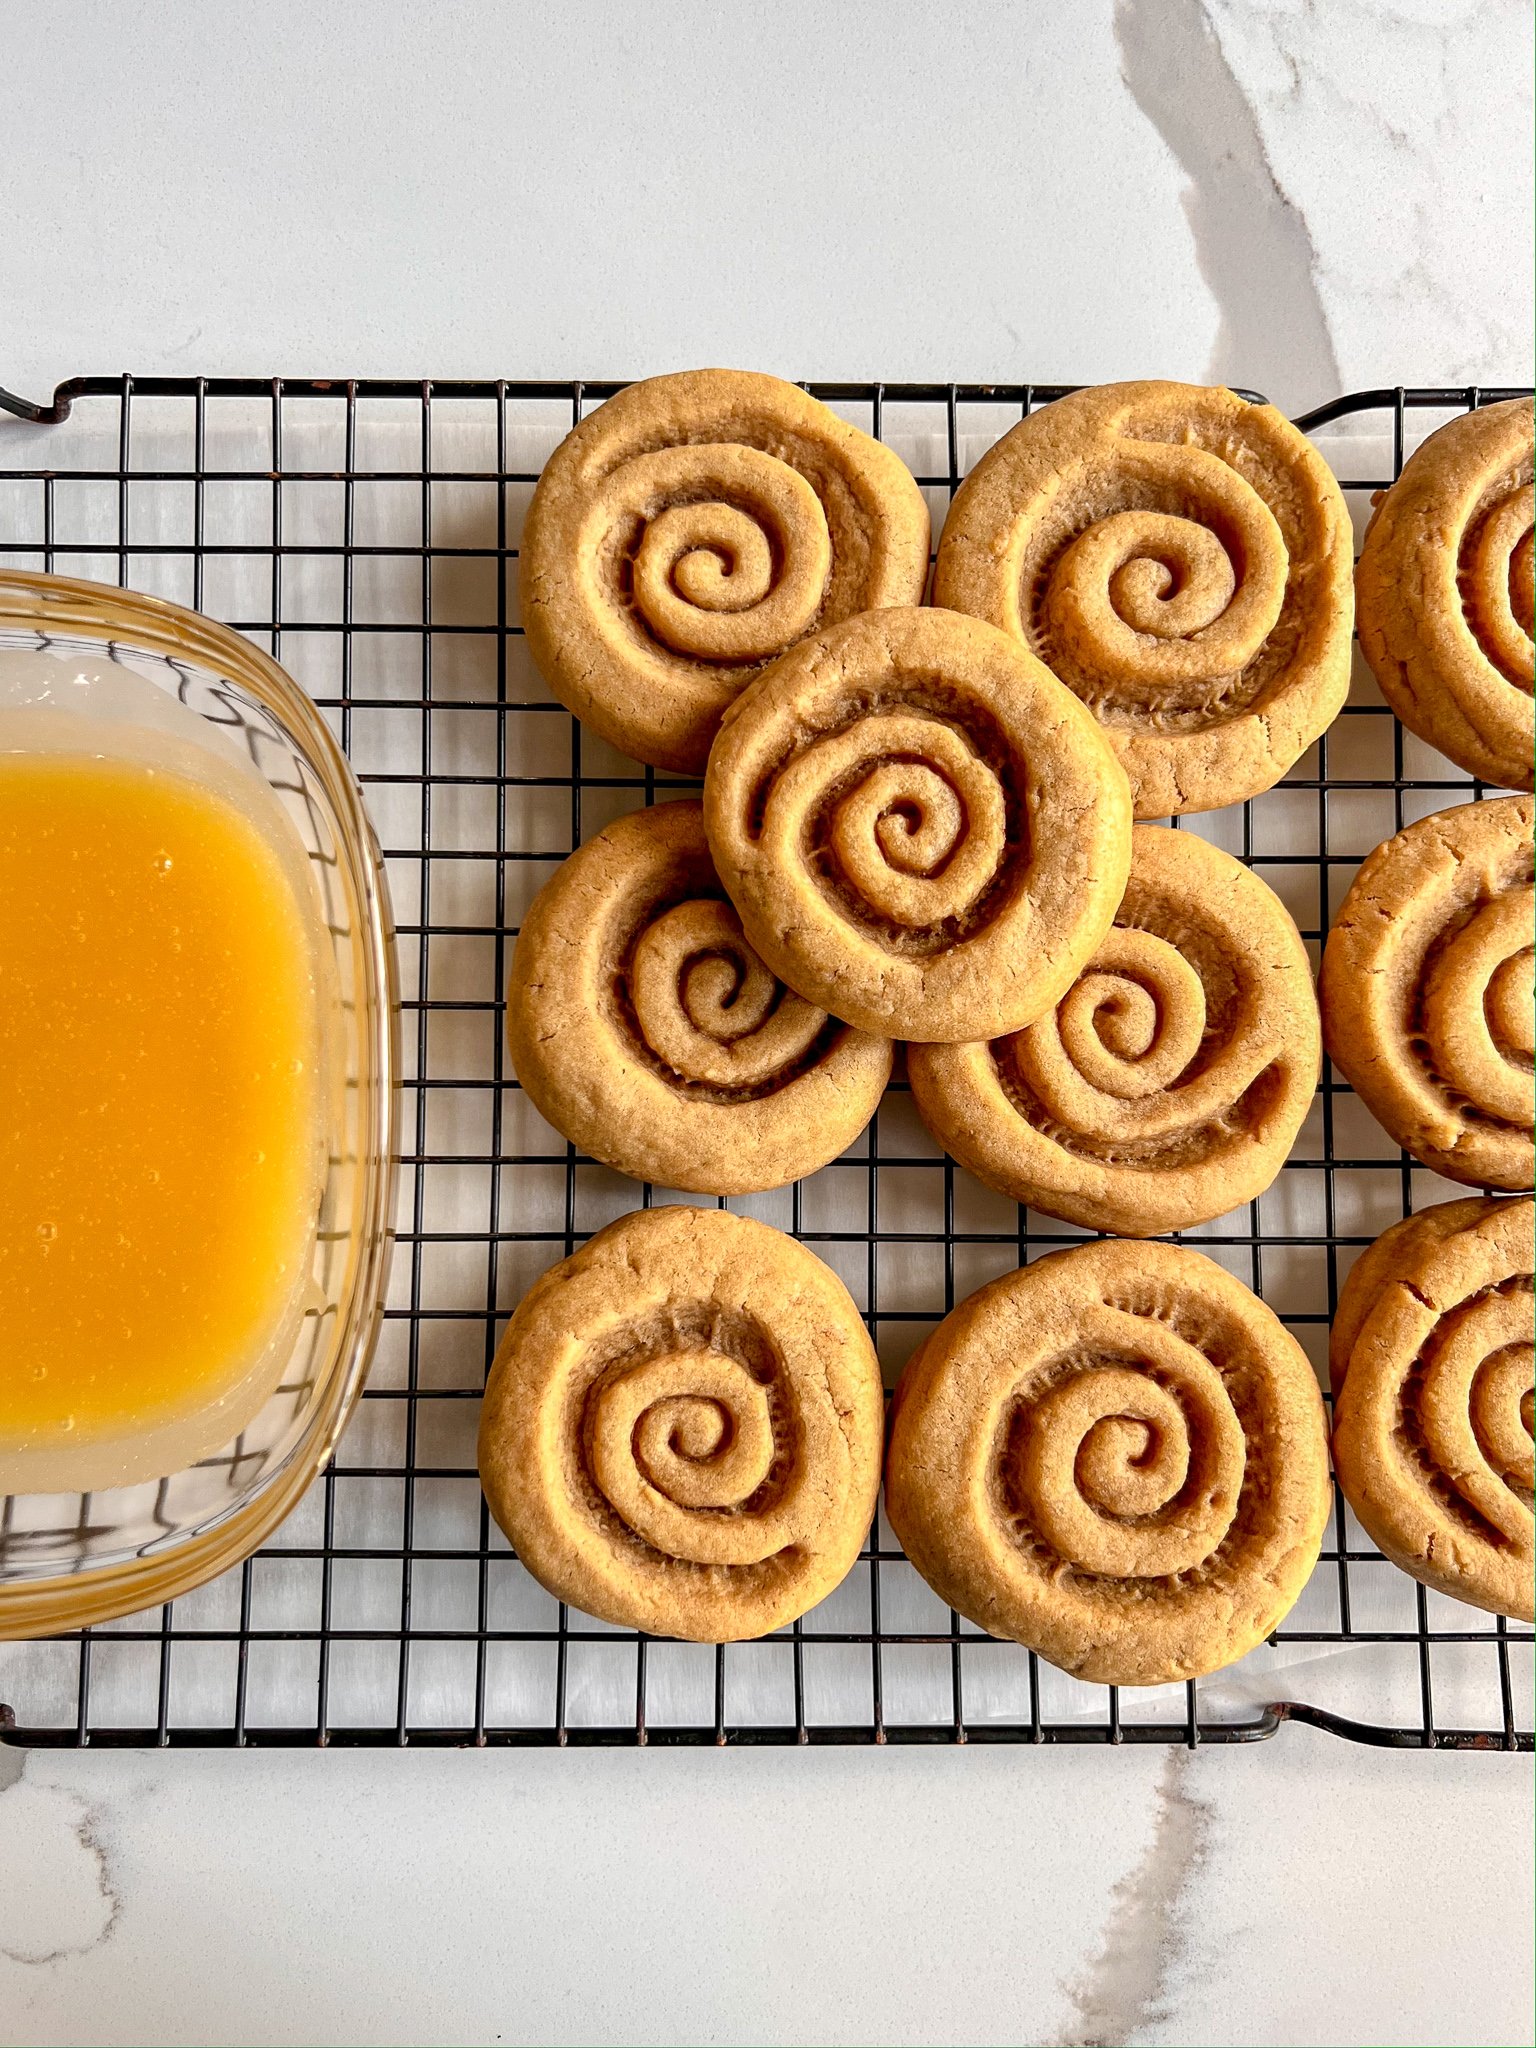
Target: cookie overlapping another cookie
923, 832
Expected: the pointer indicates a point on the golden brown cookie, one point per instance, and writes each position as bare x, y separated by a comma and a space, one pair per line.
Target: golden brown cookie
646, 1028
690, 530
1427, 991
1431, 1355
1444, 593
1117, 1456
923, 831
681, 1431
1179, 558
1168, 1084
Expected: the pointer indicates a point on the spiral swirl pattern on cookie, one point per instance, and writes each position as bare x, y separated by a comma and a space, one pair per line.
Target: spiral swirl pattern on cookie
682, 1429
1427, 991
923, 832
1116, 1456
1444, 586
1181, 560
1432, 1361
647, 1029
1168, 1084
690, 530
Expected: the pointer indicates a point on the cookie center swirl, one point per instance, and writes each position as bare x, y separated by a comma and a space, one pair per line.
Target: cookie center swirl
1141, 1052
1495, 573
1508, 1004
1131, 1024
1522, 582
1478, 1007
679, 1444
1172, 595
1132, 1468
1471, 1413
732, 551
908, 821
1501, 1413
708, 1007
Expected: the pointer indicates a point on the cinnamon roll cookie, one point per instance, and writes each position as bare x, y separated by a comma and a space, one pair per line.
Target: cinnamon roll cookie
1431, 1355
1444, 593
690, 530
645, 1027
1168, 1084
1427, 991
681, 1431
924, 832
1117, 1456
1181, 559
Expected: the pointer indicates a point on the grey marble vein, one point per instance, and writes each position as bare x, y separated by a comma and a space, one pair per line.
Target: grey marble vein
1251, 241
1402, 133
1124, 1988
48, 1937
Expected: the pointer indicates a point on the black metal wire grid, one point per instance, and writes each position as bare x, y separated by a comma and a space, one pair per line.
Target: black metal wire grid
365, 534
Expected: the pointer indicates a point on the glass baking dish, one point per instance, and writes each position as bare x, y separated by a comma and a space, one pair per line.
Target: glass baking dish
68, 1560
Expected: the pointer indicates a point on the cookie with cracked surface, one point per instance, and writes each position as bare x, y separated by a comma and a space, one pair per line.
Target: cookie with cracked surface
1444, 593
644, 1026
1116, 1456
1168, 1084
1182, 560
689, 531
1427, 990
682, 1428
1431, 1354
924, 832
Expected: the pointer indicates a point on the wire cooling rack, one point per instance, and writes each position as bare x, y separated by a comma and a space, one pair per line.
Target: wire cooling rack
365, 534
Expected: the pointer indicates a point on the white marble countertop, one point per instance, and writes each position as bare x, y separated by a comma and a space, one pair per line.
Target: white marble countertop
1300, 198
1299, 1892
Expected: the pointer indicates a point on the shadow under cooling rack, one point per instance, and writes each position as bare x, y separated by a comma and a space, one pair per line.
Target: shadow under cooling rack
365, 533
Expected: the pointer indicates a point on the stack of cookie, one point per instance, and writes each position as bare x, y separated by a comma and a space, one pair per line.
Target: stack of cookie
928, 825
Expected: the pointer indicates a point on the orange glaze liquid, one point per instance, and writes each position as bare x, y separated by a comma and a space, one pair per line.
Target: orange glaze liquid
159, 1100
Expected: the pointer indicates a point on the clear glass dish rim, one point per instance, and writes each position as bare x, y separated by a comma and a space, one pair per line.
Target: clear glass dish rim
98, 611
